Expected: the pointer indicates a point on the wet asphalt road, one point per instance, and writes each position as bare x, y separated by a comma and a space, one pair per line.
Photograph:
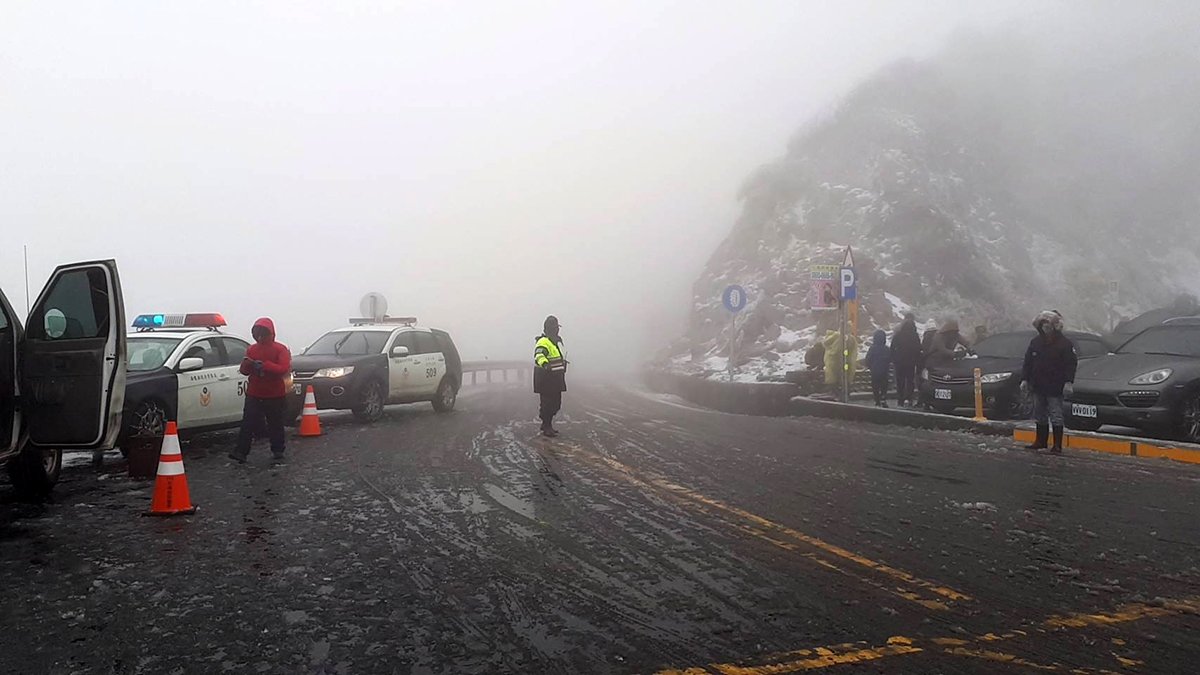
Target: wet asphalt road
651, 536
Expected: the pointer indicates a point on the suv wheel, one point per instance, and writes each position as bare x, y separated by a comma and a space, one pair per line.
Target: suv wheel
447, 396
35, 471
370, 403
1189, 418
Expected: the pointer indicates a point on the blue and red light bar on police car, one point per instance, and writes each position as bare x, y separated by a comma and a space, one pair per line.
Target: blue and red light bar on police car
201, 320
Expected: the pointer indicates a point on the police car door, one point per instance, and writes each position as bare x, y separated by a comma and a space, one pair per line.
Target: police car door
402, 376
10, 337
202, 392
431, 364
71, 362
233, 383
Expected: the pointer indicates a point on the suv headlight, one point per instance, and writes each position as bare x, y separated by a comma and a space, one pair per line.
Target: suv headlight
1154, 377
340, 371
924, 373
993, 378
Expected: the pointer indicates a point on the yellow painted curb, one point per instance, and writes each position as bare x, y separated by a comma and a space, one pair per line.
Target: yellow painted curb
1111, 446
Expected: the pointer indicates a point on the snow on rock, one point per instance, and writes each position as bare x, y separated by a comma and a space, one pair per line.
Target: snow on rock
954, 210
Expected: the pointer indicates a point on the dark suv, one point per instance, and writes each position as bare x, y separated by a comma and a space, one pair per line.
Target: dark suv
370, 364
1000, 359
1152, 382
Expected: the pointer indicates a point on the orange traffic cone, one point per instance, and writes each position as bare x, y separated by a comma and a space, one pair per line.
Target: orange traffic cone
310, 424
171, 496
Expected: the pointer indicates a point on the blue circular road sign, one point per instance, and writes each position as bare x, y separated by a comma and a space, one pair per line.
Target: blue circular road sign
734, 298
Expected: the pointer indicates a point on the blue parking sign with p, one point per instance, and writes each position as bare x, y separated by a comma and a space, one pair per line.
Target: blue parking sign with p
734, 298
849, 284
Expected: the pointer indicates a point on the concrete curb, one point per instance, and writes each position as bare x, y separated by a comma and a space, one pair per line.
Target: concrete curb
769, 399
1121, 445
802, 406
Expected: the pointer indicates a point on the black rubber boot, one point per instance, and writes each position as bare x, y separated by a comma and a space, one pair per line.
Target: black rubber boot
1043, 438
1058, 438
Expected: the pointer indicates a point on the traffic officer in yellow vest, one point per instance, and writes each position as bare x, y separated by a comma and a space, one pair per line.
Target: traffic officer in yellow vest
550, 375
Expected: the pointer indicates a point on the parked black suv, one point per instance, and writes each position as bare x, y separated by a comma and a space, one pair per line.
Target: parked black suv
1152, 382
1000, 357
373, 363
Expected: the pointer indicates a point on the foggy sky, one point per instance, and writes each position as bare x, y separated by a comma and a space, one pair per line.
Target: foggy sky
481, 164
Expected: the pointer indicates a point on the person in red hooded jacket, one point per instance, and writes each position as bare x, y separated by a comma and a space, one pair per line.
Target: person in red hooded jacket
268, 364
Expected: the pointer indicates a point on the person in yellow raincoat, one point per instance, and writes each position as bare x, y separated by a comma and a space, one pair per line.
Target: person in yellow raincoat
834, 357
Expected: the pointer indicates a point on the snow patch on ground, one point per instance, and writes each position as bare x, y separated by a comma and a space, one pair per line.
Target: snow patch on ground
976, 506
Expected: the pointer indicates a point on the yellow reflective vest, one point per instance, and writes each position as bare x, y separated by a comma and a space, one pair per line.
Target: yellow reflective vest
546, 354
551, 372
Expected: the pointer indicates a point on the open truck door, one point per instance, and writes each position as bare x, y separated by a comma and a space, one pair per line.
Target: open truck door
10, 340
71, 363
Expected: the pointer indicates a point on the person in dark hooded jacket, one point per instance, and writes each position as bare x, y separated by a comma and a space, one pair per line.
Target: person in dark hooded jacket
1049, 374
268, 365
906, 357
879, 362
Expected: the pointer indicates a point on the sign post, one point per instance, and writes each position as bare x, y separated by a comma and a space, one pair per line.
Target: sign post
979, 417
849, 315
734, 299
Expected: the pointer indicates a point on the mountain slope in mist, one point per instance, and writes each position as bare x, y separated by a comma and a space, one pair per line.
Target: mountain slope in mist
1002, 177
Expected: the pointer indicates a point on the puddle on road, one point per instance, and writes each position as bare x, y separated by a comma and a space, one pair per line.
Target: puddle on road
510, 502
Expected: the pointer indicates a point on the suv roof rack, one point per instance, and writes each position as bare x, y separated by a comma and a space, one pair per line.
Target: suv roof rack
387, 320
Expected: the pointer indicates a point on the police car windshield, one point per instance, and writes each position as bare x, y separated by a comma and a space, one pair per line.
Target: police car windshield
1165, 341
148, 353
349, 343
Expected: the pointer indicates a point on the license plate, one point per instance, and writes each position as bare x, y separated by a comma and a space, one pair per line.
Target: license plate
297, 389
1081, 410
942, 394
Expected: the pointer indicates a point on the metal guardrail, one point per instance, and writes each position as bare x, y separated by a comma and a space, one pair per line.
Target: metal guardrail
474, 369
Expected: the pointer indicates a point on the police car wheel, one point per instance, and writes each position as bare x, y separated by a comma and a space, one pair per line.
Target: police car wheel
370, 404
149, 420
446, 397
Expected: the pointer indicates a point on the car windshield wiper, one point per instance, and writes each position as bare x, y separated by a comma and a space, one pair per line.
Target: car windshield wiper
338, 346
1185, 356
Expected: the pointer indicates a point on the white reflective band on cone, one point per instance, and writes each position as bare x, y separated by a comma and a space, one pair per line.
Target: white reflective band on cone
170, 446
170, 468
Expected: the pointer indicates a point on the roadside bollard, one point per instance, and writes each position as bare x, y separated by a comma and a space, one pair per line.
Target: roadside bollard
979, 416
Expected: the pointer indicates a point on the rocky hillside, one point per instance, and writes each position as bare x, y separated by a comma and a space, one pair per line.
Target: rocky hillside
1002, 177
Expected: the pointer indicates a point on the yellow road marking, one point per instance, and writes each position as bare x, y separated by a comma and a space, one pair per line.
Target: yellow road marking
763, 528
807, 659
1126, 614
824, 657
1003, 657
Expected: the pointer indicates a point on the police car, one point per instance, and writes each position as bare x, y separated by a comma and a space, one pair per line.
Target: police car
375, 362
62, 376
182, 367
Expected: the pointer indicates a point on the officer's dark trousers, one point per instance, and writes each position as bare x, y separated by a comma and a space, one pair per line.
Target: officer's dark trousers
262, 417
551, 404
